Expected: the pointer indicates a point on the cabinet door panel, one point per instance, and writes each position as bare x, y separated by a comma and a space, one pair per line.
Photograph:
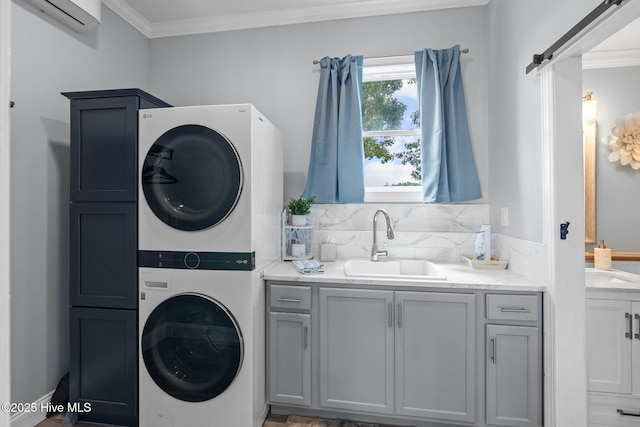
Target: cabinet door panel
356, 349
635, 350
104, 364
513, 376
104, 149
290, 358
608, 347
104, 270
435, 355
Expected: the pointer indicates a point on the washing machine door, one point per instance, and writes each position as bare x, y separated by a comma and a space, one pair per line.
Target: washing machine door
192, 347
192, 177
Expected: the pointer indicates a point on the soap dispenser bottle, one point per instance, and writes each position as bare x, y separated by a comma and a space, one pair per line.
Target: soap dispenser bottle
479, 252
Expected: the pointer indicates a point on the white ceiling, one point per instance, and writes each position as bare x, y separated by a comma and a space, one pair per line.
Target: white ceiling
620, 50
164, 18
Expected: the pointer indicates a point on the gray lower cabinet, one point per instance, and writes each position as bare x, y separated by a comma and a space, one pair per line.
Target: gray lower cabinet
406, 353
427, 357
435, 355
513, 376
356, 349
513, 360
290, 356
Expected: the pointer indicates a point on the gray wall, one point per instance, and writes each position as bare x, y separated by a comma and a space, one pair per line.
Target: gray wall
617, 186
272, 68
517, 30
48, 59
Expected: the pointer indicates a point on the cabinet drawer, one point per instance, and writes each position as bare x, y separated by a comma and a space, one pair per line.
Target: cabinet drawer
613, 410
512, 307
290, 297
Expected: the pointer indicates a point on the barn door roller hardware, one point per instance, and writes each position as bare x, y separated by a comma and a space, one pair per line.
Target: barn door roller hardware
591, 17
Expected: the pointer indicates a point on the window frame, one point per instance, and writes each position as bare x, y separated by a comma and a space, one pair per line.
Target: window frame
391, 68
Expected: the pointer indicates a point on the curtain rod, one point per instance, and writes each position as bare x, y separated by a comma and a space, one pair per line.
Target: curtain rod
316, 61
538, 59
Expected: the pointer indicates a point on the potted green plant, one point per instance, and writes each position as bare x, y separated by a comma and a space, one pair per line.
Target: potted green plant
299, 209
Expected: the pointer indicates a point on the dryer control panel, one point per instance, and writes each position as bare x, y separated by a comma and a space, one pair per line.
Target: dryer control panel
244, 261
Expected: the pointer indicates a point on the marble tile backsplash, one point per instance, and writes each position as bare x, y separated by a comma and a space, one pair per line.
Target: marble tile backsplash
435, 232
440, 233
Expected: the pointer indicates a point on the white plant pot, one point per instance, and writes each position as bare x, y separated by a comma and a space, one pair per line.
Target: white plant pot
299, 220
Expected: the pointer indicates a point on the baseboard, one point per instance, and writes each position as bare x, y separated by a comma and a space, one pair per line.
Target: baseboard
32, 418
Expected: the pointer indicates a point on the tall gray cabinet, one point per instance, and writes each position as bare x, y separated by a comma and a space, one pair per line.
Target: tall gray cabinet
104, 244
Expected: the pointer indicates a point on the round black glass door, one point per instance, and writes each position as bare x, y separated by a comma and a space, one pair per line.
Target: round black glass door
192, 347
192, 177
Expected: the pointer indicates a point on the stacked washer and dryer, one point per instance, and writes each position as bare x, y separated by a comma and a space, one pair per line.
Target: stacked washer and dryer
209, 222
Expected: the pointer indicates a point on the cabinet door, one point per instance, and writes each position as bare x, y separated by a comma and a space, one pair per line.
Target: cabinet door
104, 149
435, 355
356, 349
104, 270
290, 358
104, 364
609, 341
513, 376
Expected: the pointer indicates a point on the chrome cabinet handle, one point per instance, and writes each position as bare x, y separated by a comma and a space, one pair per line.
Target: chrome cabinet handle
493, 350
306, 337
399, 315
289, 300
629, 414
637, 317
629, 333
390, 314
514, 310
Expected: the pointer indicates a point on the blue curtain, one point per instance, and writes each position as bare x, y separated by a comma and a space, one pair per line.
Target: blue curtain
449, 171
336, 164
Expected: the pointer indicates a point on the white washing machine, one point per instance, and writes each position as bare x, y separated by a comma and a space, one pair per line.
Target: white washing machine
202, 358
210, 192
210, 197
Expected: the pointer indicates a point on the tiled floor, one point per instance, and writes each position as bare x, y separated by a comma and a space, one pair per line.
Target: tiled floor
56, 421
272, 420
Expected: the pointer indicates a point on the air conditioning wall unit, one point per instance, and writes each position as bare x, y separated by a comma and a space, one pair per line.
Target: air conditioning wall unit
79, 15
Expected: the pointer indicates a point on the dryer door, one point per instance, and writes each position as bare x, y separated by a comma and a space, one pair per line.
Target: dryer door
192, 177
192, 347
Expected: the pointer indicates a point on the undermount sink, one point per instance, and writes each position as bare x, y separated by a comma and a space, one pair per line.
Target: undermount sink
594, 275
414, 269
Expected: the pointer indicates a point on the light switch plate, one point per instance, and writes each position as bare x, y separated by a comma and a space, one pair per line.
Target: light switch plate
504, 216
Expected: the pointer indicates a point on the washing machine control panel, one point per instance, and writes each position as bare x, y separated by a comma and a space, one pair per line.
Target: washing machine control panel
244, 261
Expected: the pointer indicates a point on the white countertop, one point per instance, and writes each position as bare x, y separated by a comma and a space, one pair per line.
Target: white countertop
615, 280
459, 276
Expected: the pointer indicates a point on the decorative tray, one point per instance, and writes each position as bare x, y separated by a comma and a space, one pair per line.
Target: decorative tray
494, 262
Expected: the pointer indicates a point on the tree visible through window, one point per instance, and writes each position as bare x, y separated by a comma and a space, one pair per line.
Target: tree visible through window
391, 126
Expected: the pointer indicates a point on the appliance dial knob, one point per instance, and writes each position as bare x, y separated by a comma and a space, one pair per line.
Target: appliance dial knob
192, 260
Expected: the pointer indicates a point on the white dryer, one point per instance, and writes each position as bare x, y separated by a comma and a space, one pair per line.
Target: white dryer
202, 359
210, 192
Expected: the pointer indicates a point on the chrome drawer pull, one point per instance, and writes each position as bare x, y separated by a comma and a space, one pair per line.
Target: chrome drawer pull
289, 300
514, 310
306, 337
629, 414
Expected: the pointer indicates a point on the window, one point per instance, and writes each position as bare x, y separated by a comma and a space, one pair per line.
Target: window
391, 130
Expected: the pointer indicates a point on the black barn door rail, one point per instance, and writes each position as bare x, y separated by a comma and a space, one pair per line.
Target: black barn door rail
592, 16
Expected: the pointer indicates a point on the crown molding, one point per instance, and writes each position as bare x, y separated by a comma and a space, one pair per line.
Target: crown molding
242, 21
129, 14
611, 59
